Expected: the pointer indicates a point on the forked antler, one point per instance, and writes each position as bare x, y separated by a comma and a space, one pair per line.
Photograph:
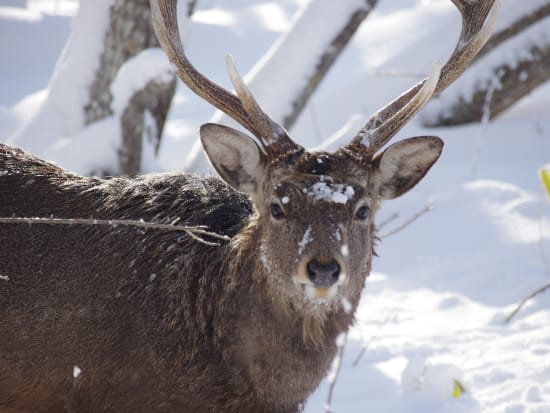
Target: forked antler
384, 124
243, 107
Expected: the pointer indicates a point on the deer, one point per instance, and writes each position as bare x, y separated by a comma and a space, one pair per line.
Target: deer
137, 318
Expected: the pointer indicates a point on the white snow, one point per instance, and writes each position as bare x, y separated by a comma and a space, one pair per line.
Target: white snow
74, 72
344, 250
329, 191
346, 305
306, 239
264, 258
433, 309
51, 114
75, 152
134, 74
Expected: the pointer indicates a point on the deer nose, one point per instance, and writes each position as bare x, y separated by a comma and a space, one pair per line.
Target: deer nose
323, 274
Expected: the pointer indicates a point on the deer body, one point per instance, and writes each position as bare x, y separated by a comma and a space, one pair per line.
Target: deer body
125, 318
155, 325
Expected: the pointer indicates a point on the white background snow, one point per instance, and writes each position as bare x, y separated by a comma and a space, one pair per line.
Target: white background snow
434, 307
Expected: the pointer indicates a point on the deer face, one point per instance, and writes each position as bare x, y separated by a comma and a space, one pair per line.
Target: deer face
317, 226
315, 210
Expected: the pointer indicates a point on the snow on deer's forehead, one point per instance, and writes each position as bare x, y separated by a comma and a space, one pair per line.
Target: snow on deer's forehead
321, 188
330, 191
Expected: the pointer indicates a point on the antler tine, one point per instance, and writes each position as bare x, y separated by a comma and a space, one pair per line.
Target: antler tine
272, 135
243, 108
384, 124
165, 23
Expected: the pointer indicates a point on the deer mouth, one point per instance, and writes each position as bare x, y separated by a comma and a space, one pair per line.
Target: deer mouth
316, 293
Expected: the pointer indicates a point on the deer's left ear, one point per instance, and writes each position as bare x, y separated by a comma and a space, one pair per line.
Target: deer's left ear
238, 160
402, 165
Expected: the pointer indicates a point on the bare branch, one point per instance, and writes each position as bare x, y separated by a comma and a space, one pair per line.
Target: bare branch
409, 221
523, 22
367, 345
336, 367
546, 271
193, 231
522, 302
385, 222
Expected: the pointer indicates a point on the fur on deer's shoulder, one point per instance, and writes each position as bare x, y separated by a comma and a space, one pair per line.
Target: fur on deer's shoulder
183, 306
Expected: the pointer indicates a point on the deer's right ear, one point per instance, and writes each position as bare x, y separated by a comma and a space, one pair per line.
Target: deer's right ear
238, 160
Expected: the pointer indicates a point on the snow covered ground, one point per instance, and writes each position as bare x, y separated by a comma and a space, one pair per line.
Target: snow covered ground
434, 308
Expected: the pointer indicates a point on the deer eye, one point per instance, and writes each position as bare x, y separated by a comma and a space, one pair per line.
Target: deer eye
276, 211
362, 213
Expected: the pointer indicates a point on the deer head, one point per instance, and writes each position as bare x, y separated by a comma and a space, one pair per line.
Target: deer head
314, 210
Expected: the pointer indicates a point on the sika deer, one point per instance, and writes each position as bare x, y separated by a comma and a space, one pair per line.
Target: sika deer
129, 319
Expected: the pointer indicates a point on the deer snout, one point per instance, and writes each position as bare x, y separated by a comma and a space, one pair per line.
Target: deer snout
323, 274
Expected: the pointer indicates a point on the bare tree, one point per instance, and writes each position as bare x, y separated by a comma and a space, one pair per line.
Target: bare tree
513, 63
130, 32
106, 35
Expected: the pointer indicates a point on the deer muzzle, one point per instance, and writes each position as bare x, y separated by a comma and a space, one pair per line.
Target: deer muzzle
323, 274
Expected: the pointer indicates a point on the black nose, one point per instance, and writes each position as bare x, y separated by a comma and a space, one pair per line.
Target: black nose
323, 274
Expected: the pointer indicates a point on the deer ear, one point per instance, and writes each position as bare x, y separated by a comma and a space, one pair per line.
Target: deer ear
402, 165
238, 160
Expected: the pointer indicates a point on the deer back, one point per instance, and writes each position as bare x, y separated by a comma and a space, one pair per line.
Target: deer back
136, 304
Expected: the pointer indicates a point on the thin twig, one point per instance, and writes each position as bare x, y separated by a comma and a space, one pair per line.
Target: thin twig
544, 263
408, 222
542, 252
396, 73
484, 121
367, 345
391, 218
522, 302
337, 366
192, 231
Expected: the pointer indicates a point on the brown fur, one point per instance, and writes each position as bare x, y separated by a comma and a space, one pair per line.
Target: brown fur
157, 321
206, 334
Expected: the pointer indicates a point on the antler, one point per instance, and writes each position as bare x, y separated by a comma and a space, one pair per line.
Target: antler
385, 123
243, 107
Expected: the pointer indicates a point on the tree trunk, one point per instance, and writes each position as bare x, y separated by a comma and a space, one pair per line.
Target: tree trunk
105, 36
130, 32
325, 62
142, 123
